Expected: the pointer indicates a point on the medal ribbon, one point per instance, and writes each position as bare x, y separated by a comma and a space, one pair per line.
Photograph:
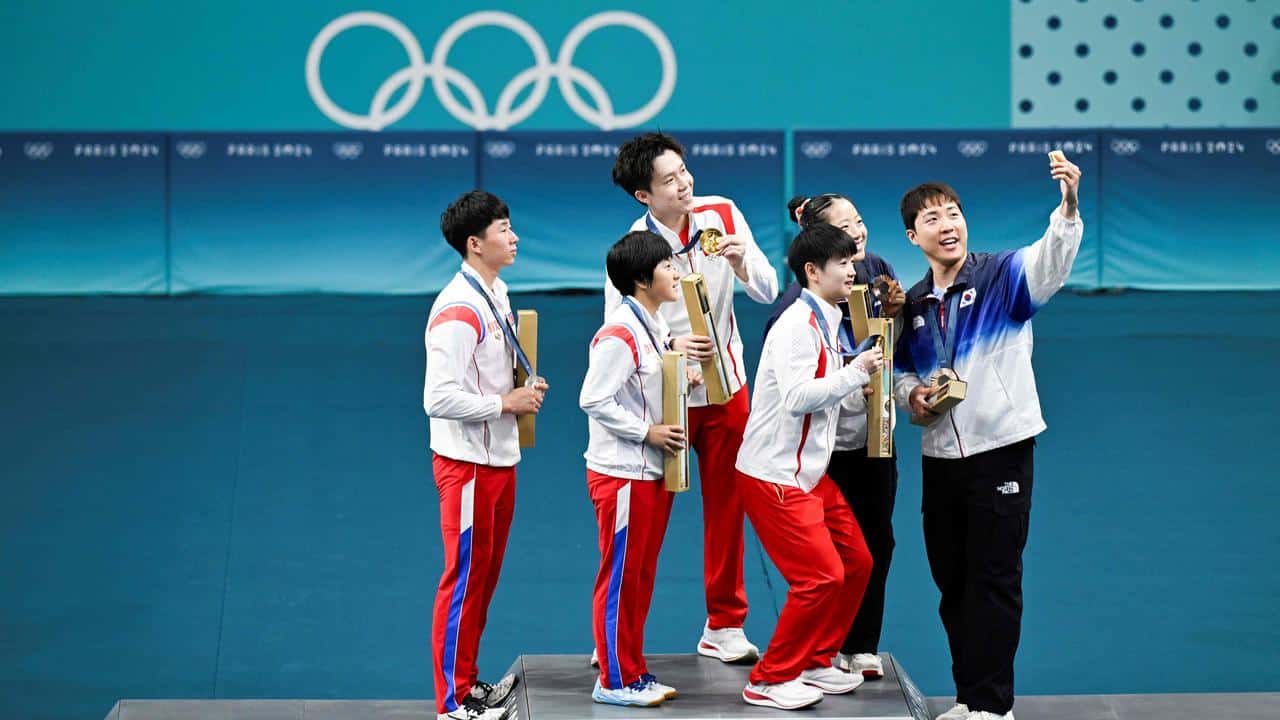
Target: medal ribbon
822, 325
688, 247
944, 348
505, 323
635, 309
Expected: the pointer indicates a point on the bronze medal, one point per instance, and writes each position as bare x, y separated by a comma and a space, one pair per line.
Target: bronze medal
881, 286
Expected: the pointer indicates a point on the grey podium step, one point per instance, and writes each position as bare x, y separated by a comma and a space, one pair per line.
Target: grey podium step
559, 686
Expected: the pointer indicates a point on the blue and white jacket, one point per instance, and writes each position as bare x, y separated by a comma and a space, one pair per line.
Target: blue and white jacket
999, 294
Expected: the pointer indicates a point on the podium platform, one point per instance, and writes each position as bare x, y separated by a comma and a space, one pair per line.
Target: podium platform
559, 686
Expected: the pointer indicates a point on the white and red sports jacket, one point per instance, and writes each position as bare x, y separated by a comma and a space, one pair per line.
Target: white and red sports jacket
762, 282
622, 393
470, 366
799, 391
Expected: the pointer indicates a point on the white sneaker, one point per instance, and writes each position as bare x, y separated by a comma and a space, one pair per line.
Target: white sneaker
595, 658
868, 665
667, 691
473, 709
830, 680
959, 711
636, 694
727, 645
789, 695
984, 715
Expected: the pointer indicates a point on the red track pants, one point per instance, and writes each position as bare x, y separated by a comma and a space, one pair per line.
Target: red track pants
476, 504
816, 544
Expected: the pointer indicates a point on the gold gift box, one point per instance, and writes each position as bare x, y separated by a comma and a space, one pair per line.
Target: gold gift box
947, 392
527, 334
715, 375
675, 411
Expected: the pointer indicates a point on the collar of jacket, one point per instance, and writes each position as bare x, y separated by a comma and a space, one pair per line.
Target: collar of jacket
923, 290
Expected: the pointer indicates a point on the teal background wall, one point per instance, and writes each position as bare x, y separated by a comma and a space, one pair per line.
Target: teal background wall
230, 497
236, 65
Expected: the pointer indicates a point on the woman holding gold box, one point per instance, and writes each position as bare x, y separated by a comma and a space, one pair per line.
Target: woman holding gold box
622, 396
801, 518
869, 484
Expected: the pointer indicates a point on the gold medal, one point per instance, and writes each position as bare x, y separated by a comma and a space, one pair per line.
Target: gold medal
710, 239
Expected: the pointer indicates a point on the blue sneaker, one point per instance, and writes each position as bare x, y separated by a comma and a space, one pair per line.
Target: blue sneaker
667, 691
637, 694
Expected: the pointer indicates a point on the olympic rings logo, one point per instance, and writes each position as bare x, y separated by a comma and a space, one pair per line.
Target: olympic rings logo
816, 150
972, 148
38, 150
348, 150
506, 113
1125, 146
501, 149
190, 149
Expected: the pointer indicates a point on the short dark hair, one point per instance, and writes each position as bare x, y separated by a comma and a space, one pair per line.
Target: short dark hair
922, 196
633, 168
469, 215
814, 207
633, 259
817, 244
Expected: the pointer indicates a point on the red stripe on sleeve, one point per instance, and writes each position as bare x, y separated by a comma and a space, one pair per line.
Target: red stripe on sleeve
459, 313
724, 210
620, 332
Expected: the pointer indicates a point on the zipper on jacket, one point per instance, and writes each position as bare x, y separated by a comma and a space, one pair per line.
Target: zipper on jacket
959, 444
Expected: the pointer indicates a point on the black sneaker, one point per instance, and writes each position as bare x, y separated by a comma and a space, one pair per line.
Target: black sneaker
473, 709
494, 695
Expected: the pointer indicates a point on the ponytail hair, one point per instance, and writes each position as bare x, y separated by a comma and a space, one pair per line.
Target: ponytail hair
807, 211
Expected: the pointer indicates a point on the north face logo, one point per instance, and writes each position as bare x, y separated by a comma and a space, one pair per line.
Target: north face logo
1009, 488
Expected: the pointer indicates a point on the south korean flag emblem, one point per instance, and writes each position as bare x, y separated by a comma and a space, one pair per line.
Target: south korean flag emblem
968, 297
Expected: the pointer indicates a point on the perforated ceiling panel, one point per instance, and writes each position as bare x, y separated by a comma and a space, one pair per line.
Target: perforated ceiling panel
1152, 63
